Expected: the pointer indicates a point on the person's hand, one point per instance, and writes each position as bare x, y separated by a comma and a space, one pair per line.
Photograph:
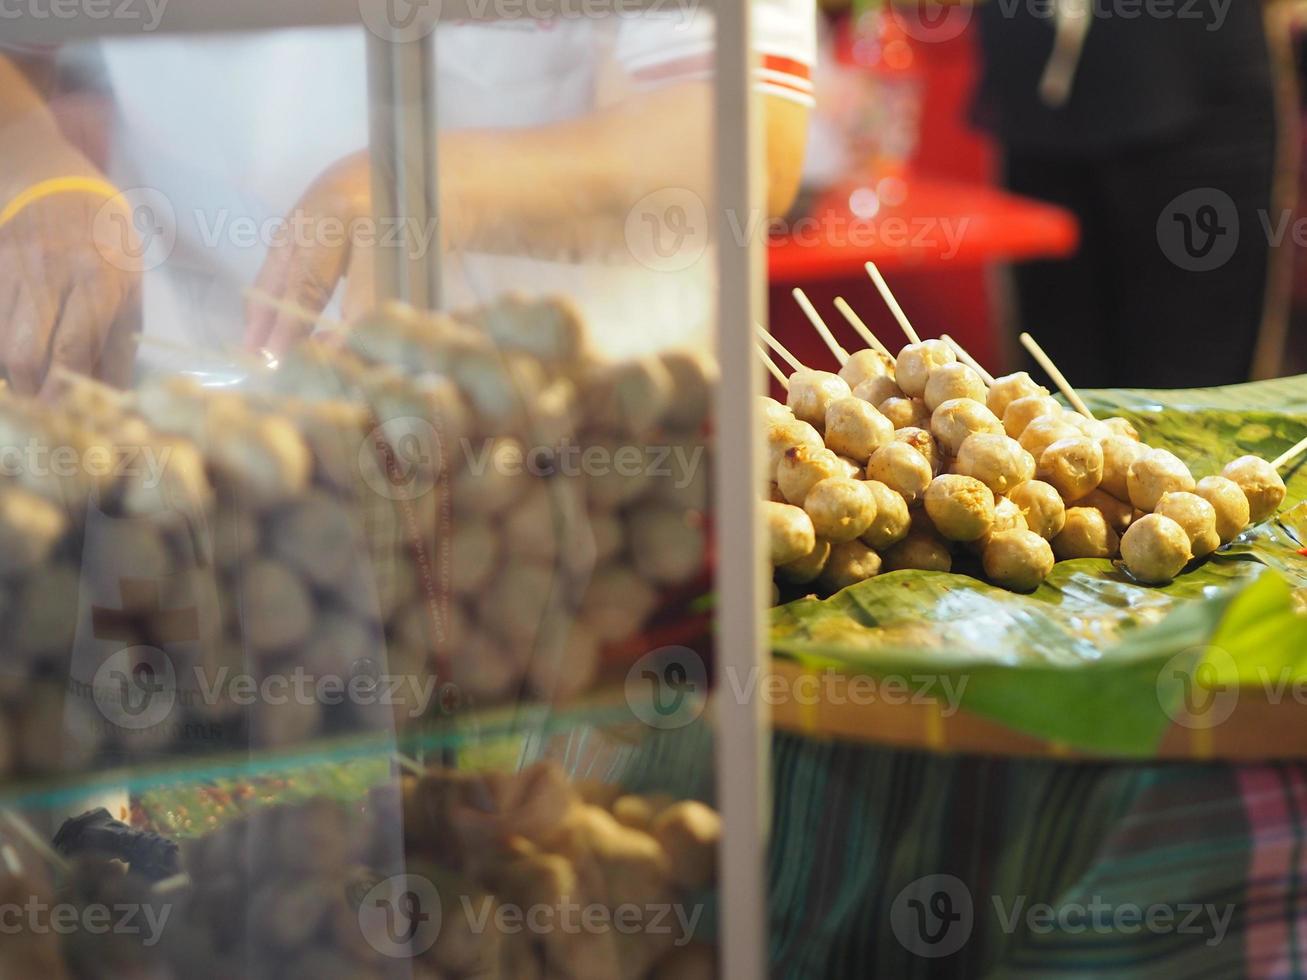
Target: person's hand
69, 286
322, 245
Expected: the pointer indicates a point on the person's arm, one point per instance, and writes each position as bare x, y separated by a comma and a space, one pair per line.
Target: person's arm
68, 297
564, 189
552, 191
567, 188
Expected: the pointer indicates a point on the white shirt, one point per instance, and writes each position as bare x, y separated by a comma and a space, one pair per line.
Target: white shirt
219, 136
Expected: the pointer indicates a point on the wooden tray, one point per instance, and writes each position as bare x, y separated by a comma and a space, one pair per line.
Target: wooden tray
1256, 729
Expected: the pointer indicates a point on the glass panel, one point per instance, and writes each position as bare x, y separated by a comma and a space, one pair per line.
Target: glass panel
397, 622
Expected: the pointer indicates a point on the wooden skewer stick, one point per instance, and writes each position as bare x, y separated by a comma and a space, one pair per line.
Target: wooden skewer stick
968, 360
883, 288
819, 325
776, 373
86, 381
411, 765
292, 309
35, 841
779, 348
173, 883
860, 328
225, 356
1059, 379
1289, 454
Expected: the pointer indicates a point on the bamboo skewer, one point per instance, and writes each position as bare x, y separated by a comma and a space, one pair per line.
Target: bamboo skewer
775, 372
779, 348
968, 360
292, 309
35, 841
1059, 379
410, 765
1289, 455
883, 288
86, 381
173, 883
860, 328
819, 325
226, 355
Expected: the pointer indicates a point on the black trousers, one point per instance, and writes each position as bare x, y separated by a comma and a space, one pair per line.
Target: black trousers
1168, 287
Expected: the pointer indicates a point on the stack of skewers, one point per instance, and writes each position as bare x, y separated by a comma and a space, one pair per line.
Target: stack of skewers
896, 462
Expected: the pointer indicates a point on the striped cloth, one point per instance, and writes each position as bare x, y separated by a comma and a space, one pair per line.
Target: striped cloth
903, 864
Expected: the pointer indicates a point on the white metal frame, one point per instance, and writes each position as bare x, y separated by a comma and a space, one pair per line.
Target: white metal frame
403, 137
742, 731
192, 16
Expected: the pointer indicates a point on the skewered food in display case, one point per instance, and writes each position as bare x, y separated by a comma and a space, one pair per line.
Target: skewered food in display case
452, 512
926, 458
440, 872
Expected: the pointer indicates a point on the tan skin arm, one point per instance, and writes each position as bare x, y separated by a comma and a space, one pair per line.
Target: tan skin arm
553, 191
66, 298
596, 168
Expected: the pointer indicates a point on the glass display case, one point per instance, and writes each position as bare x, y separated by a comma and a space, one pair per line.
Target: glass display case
389, 618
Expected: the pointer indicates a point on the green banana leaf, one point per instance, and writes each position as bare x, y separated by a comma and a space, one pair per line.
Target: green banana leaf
1080, 660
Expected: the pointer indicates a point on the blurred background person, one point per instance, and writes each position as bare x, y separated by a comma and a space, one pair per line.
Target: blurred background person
1162, 135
